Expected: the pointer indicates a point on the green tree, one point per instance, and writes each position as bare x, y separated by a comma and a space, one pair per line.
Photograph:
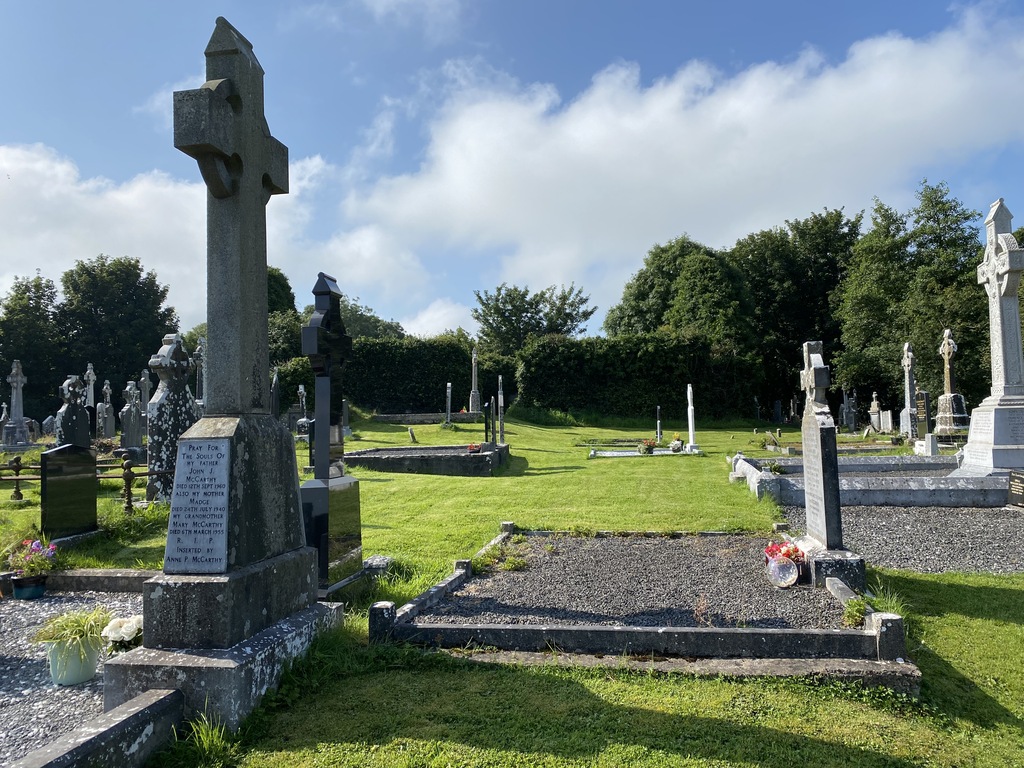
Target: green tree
873, 323
511, 315
649, 295
112, 315
280, 297
914, 275
284, 336
28, 332
792, 275
361, 321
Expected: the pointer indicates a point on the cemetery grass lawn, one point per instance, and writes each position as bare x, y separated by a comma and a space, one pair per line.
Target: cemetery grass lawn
353, 705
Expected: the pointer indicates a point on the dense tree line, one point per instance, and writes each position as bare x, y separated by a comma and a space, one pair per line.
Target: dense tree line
862, 293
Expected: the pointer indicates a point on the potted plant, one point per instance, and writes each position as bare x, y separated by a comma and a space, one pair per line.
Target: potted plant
74, 641
646, 447
31, 561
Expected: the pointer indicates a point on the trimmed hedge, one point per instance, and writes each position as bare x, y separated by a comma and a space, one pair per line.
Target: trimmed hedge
631, 376
623, 376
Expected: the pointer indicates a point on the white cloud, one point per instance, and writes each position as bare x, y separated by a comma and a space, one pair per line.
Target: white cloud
440, 19
579, 191
439, 316
51, 218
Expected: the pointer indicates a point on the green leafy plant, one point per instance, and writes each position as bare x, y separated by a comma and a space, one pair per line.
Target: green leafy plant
77, 631
203, 741
854, 612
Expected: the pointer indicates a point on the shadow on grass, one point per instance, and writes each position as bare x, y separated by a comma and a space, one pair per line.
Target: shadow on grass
945, 686
553, 470
537, 712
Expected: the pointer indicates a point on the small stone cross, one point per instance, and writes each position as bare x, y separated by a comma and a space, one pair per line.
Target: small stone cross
222, 125
908, 358
946, 351
106, 391
90, 381
814, 379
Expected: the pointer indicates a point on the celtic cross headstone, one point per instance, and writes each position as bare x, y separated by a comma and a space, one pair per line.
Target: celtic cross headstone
821, 459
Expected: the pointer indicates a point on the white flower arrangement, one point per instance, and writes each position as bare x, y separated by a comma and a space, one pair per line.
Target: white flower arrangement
123, 634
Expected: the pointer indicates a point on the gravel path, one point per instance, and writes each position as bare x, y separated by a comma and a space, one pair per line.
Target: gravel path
933, 539
33, 710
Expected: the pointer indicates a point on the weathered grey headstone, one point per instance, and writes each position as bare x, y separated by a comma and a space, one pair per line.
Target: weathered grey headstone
823, 543
145, 396
448, 404
131, 417
199, 359
105, 413
172, 412
15, 430
951, 412
48, 425
885, 421
72, 426
330, 501
848, 411
908, 416
474, 393
821, 459
494, 421
264, 589
875, 413
90, 385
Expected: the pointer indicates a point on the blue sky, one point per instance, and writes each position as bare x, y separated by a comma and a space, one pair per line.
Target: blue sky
439, 147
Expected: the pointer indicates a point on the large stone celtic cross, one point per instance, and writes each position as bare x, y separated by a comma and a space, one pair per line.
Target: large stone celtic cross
222, 126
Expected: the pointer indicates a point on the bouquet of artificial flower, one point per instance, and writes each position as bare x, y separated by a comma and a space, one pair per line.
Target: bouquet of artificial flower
785, 549
123, 634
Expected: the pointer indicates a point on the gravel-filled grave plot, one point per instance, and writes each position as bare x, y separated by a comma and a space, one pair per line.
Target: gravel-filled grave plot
932, 539
33, 710
713, 580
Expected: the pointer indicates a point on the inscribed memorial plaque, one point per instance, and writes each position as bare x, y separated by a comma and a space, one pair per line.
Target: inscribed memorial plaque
197, 534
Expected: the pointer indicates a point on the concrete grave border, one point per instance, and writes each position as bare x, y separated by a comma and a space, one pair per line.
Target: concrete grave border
882, 640
992, 491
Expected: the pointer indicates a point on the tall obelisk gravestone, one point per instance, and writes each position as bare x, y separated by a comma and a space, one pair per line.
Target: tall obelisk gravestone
995, 442
239, 586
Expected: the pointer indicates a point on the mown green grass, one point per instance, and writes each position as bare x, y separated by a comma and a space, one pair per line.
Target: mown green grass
355, 705
351, 704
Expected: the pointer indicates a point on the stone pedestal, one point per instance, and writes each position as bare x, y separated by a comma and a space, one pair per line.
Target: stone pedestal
228, 682
330, 509
951, 417
995, 443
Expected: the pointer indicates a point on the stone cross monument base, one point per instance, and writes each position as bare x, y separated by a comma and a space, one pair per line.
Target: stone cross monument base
995, 442
951, 419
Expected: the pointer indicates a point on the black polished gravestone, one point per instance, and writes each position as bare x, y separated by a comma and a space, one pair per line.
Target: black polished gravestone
922, 415
330, 501
67, 491
1016, 488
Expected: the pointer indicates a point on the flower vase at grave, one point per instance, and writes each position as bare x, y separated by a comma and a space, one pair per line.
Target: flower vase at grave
72, 663
28, 587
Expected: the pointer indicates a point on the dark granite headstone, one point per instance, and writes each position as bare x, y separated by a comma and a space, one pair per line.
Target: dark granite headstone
923, 404
67, 491
1016, 497
330, 501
